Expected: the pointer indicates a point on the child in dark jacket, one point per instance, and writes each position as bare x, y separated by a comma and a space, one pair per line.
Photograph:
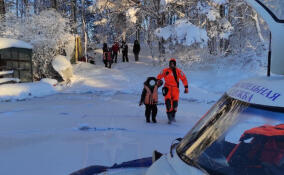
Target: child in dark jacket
107, 57
149, 97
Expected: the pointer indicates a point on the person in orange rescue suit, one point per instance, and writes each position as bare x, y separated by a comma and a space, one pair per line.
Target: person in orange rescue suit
149, 97
172, 75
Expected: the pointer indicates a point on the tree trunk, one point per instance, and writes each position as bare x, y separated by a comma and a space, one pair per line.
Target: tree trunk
73, 16
24, 8
84, 29
17, 8
258, 29
54, 4
2, 7
2, 17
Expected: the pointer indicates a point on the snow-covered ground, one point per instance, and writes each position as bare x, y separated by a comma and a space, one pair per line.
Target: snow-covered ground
53, 129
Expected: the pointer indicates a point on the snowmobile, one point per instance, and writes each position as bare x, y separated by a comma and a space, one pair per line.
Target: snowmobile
242, 133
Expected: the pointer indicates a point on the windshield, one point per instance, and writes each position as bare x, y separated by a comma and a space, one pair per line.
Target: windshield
274, 7
235, 137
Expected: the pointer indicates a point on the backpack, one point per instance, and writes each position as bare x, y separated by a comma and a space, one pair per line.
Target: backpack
266, 146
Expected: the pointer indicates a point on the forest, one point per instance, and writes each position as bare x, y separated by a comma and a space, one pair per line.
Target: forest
230, 27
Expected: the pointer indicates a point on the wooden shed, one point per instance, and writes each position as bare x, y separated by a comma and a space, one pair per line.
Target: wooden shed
16, 57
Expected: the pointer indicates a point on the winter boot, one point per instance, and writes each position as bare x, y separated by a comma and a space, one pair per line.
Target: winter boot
174, 116
148, 119
170, 117
154, 114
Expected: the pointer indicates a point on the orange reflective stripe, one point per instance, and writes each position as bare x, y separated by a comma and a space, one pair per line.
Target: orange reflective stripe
151, 97
155, 94
147, 97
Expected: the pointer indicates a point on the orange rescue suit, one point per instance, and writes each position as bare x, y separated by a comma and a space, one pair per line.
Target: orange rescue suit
172, 84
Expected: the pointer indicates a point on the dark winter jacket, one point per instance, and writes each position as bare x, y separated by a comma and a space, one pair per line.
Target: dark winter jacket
105, 48
108, 55
150, 93
136, 47
124, 47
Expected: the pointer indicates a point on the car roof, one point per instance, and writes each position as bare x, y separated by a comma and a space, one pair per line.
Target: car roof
266, 91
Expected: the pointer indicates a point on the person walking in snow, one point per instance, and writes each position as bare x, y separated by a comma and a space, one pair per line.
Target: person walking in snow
172, 75
107, 58
115, 50
149, 97
105, 49
136, 50
124, 51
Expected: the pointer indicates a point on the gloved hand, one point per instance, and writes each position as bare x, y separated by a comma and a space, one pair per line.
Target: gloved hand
186, 90
160, 83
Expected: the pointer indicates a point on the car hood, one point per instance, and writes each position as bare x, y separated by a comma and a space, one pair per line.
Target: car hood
172, 165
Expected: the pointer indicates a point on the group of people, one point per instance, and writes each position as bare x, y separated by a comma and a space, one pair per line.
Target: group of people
149, 97
110, 53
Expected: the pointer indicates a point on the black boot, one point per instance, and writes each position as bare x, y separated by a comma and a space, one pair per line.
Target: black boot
148, 120
154, 113
170, 117
174, 116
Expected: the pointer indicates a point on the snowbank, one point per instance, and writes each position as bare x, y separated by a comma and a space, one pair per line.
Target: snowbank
63, 67
27, 90
7, 43
207, 82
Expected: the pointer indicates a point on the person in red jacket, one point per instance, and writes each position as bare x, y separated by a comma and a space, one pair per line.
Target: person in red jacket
115, 50
172, 75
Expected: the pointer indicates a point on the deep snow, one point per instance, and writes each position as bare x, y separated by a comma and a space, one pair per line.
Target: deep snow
96, 119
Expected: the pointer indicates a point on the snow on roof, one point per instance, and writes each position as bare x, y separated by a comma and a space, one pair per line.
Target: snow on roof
6, 72
8, 43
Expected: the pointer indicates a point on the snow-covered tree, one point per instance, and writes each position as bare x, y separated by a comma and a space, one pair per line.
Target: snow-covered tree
48, 32
114, 20
232, 27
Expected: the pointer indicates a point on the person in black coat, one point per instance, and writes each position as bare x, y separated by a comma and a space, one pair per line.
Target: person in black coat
136, 50
107, 56
105, 50
124, 51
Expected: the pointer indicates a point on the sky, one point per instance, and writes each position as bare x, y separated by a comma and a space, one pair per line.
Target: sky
55, 128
